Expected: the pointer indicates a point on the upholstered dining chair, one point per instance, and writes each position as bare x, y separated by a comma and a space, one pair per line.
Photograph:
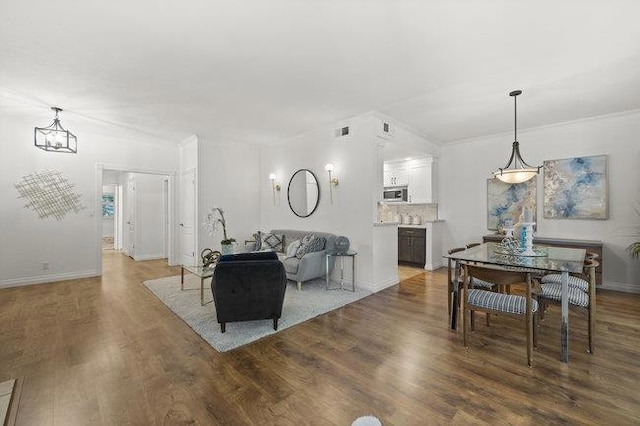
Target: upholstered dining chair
493, 302
451, 265
582, 293
476, 283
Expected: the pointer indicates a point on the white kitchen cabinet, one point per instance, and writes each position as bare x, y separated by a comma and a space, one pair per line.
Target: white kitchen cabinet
419, 175
396, 175
419, 189
422, 181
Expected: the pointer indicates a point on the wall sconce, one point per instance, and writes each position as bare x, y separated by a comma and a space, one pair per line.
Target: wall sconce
275, 187
333, 181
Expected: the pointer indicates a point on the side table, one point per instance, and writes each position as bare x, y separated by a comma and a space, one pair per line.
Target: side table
199, 271
352, 254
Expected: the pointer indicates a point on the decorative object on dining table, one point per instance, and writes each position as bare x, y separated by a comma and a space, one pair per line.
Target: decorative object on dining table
505, 201
575, 188
212, 220
511, 246
527, 232
508, 227
209, 257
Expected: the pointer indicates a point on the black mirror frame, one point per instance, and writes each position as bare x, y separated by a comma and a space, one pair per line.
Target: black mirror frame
289, 192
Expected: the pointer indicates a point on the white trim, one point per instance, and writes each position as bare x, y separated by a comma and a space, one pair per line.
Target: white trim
433, 265
149, 257
43, 279
623, 287
544, 126
379, 286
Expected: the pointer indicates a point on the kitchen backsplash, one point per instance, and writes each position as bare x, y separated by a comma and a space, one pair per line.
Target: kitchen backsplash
390, 212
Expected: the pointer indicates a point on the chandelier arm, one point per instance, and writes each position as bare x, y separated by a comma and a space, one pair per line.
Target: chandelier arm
522, 161
513, 154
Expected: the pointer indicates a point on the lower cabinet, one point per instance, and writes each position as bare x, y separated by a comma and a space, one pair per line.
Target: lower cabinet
412, 243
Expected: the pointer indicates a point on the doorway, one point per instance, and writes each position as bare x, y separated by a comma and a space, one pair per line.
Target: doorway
142, 203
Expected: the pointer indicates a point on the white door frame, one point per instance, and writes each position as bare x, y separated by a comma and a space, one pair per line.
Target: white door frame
172, 203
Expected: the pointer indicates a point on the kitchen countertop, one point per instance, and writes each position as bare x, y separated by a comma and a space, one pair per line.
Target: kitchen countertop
423, 225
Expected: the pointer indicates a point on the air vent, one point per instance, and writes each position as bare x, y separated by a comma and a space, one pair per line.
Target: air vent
342, 132
387, 128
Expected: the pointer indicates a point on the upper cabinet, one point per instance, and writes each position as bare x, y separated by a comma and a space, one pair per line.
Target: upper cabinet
419, 175
395, 175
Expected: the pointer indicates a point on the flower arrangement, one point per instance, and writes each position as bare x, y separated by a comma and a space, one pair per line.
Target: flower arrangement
215, 218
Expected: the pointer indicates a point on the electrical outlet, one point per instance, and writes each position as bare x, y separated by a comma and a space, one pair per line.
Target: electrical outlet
46, 266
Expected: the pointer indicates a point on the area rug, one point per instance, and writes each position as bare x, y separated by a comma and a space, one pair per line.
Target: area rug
299, 306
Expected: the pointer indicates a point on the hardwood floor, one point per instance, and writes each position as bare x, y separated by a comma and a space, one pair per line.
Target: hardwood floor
105, 351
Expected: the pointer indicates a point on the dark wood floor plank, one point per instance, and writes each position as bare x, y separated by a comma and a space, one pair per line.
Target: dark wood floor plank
106, 351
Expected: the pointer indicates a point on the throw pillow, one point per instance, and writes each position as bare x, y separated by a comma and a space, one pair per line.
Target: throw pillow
272, 242
309, 244
292, 248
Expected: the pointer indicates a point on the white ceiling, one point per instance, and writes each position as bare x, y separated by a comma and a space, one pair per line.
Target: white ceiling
258, 71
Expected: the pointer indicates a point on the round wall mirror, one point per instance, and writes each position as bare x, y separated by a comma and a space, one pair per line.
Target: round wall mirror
303, 193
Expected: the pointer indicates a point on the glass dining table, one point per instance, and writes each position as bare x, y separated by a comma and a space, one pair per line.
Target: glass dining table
546, 259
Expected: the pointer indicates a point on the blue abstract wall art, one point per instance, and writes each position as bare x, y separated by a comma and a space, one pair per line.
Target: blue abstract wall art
576, 188
506, 200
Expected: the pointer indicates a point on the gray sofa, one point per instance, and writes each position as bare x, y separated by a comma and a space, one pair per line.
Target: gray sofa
311, 265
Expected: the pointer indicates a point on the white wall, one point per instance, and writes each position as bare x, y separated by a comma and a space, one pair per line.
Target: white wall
229, 178
72, 245
355, 160
466, 166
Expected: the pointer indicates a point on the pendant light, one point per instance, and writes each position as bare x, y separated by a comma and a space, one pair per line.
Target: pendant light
521, 171
54, 137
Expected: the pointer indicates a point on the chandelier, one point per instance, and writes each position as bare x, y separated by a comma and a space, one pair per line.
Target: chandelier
521, 171
54, 137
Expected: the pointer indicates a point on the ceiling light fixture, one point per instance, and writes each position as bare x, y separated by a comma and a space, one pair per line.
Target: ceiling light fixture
521, 171
54, 137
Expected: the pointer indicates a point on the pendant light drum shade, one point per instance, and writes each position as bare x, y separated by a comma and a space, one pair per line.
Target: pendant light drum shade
55, 138
521, 171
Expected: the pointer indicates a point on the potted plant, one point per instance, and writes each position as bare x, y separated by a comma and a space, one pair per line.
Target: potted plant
214, 219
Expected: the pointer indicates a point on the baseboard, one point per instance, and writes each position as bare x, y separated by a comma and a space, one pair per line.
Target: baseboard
149, 257
623, 287
43, 279
433, 266
379, 286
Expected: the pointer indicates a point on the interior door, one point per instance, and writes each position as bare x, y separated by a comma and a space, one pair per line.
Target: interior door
130, 215
187, 217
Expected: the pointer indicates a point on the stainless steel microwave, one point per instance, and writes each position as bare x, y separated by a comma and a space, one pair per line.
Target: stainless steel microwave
397, 194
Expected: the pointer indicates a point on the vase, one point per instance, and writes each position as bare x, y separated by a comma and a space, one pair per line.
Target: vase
227, 249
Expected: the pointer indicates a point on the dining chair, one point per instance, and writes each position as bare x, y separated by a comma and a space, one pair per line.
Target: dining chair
499, 303
451, 265
477, 282
582, 293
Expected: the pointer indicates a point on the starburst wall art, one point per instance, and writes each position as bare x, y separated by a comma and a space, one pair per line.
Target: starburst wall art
50, 194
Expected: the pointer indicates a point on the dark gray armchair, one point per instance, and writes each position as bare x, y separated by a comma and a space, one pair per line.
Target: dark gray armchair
249, 286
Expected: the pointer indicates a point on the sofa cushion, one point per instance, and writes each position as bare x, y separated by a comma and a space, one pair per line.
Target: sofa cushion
292, 248
273, 242
291, 265
309, 244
